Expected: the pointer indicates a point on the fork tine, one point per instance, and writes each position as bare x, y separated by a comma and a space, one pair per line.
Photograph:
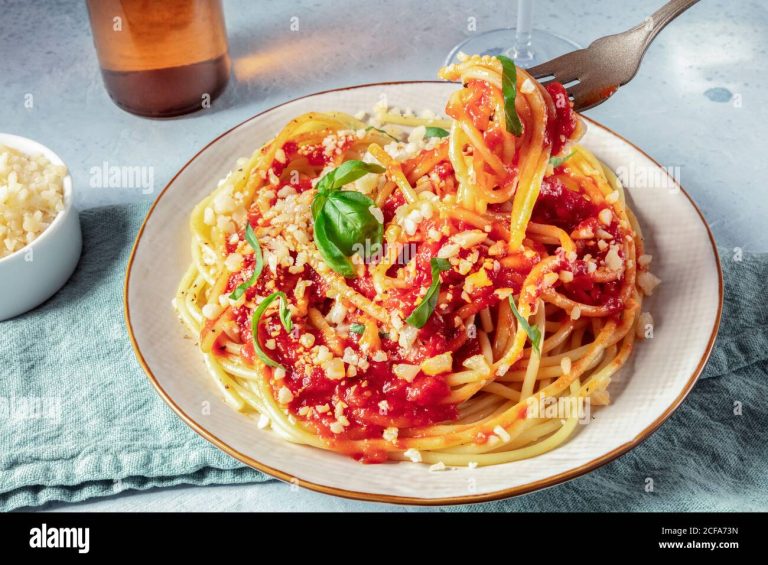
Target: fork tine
564, 65
586, 96
569, 74
540, 71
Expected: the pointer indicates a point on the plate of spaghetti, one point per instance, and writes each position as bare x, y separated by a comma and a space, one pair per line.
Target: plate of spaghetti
424, 292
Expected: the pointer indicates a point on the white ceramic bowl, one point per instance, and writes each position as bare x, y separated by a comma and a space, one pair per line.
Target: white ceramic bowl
33, 274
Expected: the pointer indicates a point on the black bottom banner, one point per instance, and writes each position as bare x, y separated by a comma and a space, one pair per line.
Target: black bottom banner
76, 536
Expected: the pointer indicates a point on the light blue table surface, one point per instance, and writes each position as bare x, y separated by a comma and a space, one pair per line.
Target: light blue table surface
698, 103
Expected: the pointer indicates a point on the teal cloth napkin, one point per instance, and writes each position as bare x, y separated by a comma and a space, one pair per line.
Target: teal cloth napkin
78, 418
100, 428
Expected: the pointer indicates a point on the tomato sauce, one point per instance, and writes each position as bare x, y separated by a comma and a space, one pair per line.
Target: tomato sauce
395, 200
443, 170
320, 155
570, 210
373, 399
561, 126
561, 207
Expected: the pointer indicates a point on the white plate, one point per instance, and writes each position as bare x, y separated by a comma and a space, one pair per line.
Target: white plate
686, 310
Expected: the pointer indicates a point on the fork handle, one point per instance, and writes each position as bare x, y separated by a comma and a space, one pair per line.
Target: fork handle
661, 17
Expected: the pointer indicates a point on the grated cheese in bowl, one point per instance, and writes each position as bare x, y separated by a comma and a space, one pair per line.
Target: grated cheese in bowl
31, 196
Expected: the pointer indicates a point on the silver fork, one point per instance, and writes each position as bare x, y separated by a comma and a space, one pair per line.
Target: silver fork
594, 74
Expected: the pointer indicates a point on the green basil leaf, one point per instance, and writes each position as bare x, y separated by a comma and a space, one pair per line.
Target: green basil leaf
533, 332
389, 135
509, 90
436, 132
331, 254
285, 319
250, 237
343, 219
346, 173
323, 187
317, 204
357, 328
423, 311
557, 161
350, 223
285, 315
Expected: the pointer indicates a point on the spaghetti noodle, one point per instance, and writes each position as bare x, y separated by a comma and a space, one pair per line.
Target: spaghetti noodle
413, 300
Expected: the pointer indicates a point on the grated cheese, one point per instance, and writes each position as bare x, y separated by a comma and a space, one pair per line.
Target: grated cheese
31, 196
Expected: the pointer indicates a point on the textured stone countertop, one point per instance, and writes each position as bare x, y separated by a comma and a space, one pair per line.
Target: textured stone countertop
698, 103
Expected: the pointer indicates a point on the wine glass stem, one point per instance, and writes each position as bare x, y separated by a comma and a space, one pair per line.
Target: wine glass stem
523, 48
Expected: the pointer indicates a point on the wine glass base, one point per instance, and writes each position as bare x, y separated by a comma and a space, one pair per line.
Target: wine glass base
543, 47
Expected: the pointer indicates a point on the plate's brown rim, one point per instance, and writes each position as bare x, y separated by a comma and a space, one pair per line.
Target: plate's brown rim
395, 499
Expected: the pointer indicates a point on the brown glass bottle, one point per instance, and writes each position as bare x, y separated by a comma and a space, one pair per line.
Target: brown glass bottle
161, 59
